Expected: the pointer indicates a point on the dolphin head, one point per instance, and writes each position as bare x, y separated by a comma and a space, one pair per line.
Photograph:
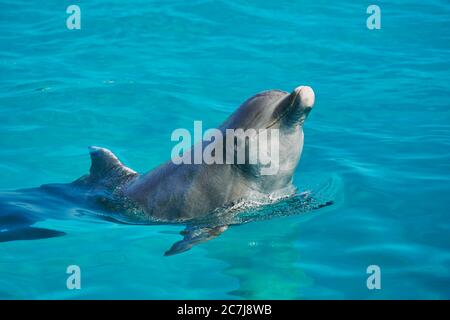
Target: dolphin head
274, 109
283, 115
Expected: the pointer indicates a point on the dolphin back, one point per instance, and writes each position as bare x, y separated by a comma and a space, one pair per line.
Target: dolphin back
106, 170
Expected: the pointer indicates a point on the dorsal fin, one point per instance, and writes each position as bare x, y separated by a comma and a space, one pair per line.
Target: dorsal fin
106, 166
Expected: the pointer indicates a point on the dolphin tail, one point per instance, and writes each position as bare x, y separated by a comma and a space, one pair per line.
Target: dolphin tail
106, 169
193, 236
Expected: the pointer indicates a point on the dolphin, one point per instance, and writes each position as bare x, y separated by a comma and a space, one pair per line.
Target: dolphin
188, 192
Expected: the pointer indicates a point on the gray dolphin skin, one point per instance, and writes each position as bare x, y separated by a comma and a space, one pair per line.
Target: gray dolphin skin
184, 192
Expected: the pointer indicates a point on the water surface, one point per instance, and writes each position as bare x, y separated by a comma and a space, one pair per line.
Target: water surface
378, 139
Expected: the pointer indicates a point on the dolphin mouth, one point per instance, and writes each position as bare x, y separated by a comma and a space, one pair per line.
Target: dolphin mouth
300, 103
305, 96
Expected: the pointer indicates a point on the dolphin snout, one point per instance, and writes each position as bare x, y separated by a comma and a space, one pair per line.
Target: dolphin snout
304, 96
294, 108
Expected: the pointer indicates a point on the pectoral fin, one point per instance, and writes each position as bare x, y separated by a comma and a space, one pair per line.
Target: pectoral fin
193, 236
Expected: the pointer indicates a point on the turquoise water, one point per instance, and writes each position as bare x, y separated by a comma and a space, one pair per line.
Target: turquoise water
377, 141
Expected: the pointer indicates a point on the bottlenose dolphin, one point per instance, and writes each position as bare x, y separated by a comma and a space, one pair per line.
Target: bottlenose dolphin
204, 197
186, 192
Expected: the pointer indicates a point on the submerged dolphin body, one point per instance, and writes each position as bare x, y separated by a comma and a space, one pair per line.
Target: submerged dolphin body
187, 192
